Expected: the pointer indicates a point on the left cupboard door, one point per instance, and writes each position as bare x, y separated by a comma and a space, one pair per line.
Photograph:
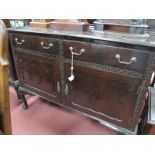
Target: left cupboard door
39, 75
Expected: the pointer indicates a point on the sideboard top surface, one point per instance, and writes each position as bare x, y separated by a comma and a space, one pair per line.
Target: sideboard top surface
145, 40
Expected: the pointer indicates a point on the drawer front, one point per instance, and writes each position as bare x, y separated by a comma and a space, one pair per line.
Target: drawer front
103, 95
42, 44
124, 58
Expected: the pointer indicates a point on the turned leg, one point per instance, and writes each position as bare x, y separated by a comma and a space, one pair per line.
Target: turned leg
20, 95
14, 83
143, 121
20, 101
140, 128
25, 105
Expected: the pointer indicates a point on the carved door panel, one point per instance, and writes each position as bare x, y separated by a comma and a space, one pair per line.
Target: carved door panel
103, 95
39, 75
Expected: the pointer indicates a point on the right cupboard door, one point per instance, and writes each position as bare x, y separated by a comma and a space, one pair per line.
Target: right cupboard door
102, 95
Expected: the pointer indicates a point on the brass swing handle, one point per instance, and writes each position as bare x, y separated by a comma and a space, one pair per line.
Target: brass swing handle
73, 53
118, 57
71, 77
19, 42
46, 47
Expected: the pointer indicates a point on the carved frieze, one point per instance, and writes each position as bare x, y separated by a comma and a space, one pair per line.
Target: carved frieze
106, 68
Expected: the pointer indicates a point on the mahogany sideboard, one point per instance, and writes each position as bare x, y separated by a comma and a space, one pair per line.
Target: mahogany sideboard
102, 75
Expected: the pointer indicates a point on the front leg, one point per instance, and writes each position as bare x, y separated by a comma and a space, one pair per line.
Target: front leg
14, 83
20, 94
25, 105
20, 100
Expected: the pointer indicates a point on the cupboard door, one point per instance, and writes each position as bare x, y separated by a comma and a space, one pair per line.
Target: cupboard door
39, 75
103, 95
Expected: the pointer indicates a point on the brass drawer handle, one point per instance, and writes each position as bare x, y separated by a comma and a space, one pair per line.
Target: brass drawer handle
19, 42
81, 51
118, 57
46, 47
71, 78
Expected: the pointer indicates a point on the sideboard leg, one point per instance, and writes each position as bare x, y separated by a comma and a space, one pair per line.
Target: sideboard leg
20, 101
20, 95
25, 105
143, 121
14, 83
140, 128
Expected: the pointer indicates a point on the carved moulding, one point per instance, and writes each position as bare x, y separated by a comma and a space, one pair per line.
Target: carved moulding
145, 83
36, 53
107, 68
144, 88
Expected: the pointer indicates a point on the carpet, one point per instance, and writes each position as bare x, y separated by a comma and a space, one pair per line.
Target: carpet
42, 118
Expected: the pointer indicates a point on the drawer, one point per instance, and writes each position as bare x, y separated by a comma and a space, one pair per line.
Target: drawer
37, 43
124, 58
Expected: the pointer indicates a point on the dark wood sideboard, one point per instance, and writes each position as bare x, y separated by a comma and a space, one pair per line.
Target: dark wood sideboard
111, 72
